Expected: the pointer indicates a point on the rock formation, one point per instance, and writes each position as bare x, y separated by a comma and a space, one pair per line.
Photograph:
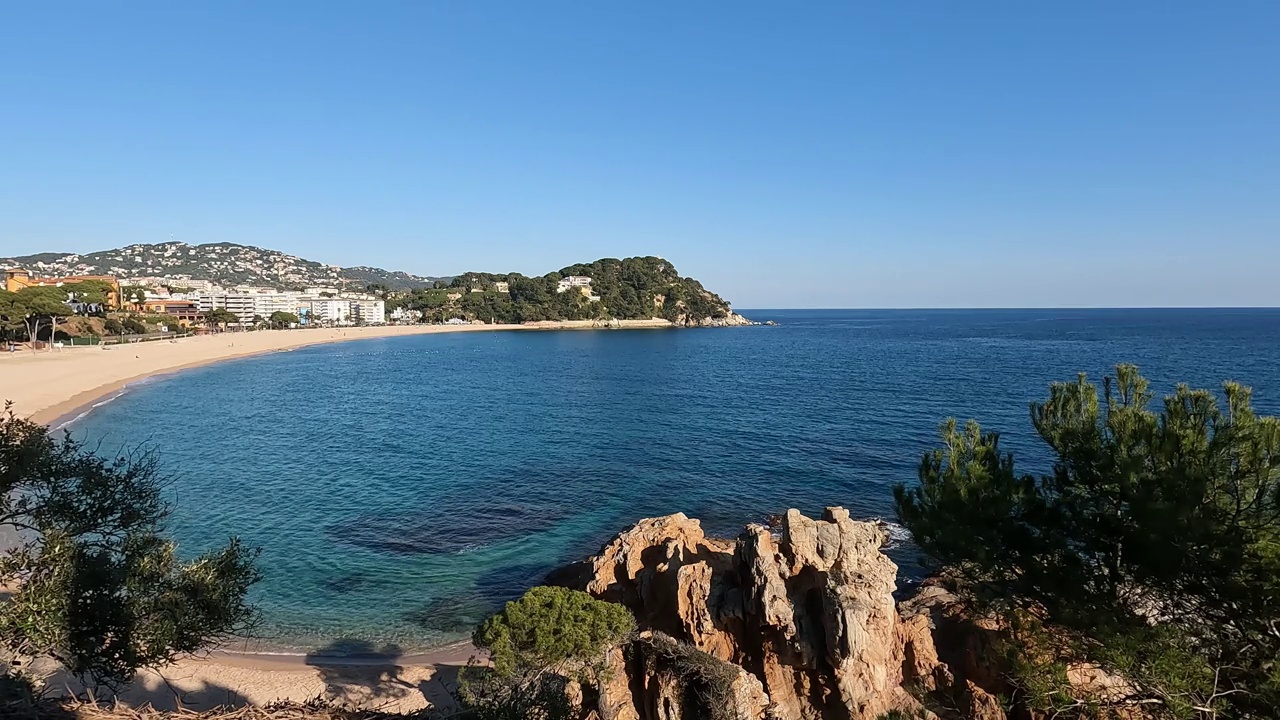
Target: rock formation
731, 320
806, 619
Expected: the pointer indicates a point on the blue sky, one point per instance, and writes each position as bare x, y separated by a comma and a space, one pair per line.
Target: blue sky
787, 154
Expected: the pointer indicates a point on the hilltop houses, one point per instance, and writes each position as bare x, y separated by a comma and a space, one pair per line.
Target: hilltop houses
573, 281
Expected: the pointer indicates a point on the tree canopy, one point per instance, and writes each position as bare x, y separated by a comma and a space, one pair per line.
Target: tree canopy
536, 644
281, 319
1151, 545
26, 312
218, 317
95, 584
630, 289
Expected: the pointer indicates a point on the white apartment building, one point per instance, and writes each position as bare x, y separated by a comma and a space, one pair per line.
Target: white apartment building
243, 306
330, 311
371, 312
267, 304
247, 305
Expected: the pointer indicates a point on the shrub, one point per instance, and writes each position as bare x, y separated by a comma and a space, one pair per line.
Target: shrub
95, 585
538, 644
1151, 547
549, 627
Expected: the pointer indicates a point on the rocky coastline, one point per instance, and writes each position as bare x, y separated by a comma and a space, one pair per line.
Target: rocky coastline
795, 622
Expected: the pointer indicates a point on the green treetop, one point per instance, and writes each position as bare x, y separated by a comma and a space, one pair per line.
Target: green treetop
1152, 543
538, 643
94, 584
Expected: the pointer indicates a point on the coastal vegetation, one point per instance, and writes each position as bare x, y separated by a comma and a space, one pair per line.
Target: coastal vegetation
1144, 557
1150, 548
630, 289
93, 583
536, 645
31, 311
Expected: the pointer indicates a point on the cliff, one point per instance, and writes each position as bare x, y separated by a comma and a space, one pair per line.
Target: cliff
797, 625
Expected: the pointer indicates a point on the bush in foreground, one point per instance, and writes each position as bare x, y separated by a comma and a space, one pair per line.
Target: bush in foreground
1151, 547
95, 584
537, 645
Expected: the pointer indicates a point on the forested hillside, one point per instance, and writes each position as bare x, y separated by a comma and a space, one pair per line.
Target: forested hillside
631, 289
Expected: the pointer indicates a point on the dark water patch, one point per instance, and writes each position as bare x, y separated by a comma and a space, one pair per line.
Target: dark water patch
509, 582
478, 525
445, 471
454, 614
347, 584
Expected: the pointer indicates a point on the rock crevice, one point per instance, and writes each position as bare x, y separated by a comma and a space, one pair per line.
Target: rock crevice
806, 615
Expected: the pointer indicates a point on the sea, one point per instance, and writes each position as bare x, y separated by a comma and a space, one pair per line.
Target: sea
401, 489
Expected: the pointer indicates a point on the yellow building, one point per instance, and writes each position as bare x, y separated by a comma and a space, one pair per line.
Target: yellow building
17, 278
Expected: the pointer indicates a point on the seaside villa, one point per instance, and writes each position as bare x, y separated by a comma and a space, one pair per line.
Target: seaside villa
573, 281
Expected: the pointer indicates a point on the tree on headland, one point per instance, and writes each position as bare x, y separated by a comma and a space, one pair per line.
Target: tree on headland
94, 584
1150, 548
536, 644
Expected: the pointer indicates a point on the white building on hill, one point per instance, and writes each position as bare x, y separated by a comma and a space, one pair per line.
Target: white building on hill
573, 281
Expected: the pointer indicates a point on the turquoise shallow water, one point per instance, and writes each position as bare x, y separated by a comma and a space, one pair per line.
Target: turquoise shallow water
401, 488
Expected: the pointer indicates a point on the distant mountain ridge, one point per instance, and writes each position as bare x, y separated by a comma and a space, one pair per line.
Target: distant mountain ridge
223, 263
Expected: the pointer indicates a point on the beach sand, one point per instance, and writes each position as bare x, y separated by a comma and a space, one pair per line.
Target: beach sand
221, 679
49, 386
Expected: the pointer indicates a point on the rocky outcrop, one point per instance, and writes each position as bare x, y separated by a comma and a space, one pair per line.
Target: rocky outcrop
797, 621
730, 320
807, 614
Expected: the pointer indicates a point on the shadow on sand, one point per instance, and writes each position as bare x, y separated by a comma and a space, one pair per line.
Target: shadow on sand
358, 674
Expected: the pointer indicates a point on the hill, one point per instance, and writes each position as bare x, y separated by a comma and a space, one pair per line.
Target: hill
223, 263
632, 289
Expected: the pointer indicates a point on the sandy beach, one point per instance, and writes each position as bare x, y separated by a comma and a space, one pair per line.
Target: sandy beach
49, 386
223, 679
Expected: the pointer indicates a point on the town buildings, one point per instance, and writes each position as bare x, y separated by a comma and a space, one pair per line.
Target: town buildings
330, 311
370, 312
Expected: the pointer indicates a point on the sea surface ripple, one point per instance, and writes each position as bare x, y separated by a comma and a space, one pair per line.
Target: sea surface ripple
402, 488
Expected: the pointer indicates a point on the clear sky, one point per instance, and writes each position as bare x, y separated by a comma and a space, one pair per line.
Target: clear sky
895, 154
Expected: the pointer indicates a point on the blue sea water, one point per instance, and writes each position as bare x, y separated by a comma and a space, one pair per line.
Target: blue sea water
401, 488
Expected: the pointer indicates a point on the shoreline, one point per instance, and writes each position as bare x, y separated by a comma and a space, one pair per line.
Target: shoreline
53, 388
56, 387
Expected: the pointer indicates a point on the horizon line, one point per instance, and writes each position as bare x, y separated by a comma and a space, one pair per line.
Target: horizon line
1024, 307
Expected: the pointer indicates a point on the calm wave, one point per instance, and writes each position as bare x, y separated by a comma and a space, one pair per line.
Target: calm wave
401, 488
